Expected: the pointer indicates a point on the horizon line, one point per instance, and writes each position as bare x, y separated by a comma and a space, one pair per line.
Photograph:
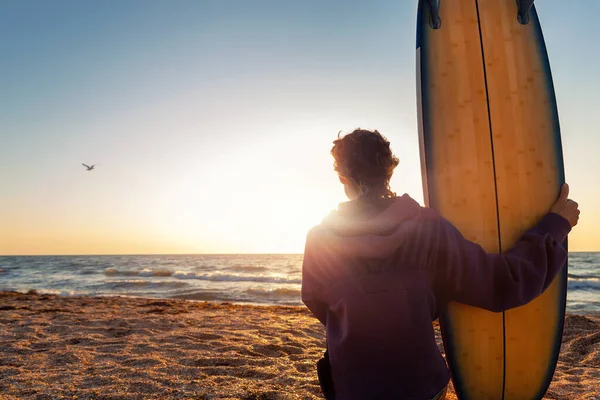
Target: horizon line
149, 254
190, 254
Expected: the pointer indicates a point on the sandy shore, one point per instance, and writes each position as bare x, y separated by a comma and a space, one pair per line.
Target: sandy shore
117, 348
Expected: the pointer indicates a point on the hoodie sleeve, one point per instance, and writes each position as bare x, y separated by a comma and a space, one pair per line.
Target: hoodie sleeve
497, 282
310, 284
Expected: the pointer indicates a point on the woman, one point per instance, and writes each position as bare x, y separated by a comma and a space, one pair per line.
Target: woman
381, 268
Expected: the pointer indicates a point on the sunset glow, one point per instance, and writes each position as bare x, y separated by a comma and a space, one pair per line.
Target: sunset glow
211, 124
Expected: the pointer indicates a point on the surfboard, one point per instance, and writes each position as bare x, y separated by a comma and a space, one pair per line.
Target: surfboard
491, 161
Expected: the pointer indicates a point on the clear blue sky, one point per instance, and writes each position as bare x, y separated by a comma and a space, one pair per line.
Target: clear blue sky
212, 120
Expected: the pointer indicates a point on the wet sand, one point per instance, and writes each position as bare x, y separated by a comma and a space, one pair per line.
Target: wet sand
124, 348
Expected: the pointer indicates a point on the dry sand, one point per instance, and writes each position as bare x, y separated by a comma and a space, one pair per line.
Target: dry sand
122, 348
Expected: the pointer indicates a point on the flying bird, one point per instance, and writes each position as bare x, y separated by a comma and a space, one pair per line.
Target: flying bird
89, 168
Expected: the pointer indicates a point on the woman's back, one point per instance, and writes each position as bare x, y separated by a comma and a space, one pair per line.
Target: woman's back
378, 307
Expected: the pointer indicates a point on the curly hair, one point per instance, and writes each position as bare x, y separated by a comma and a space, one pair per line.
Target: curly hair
364, 157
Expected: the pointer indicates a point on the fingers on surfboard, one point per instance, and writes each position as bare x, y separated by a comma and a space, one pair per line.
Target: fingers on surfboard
434, 12
523, 14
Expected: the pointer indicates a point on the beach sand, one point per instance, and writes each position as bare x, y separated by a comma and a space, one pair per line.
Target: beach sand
123, 348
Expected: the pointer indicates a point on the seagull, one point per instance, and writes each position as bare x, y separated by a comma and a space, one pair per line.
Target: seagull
88, 167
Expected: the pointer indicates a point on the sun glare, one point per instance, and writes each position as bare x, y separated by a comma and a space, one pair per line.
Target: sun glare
265, 206
261, 224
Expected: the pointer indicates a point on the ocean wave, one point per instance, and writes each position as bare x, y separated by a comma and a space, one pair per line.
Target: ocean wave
248, 268
216, 277
585, 259
139, 283
583, 276
156, 272
586, 307
87, 272
142, 272
584, 284
278, 292
42, 291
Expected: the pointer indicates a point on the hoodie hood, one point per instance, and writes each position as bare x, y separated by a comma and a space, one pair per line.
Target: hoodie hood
360, 230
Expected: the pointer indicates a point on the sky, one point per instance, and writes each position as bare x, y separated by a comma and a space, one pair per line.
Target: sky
211, 121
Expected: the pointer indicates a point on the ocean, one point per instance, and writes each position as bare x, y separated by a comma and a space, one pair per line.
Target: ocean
258, 279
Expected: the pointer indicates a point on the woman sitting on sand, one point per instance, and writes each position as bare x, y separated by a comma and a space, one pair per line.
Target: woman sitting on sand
381, 268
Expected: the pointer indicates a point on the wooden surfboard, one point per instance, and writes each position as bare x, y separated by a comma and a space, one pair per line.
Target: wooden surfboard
491, 158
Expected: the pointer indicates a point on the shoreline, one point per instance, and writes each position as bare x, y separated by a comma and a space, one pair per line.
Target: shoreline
137, 348
36, 292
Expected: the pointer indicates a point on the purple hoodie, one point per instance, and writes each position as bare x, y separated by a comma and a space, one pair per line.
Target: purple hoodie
378, 277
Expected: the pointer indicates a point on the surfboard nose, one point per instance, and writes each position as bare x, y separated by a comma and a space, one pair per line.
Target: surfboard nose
434, 13
523, 14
